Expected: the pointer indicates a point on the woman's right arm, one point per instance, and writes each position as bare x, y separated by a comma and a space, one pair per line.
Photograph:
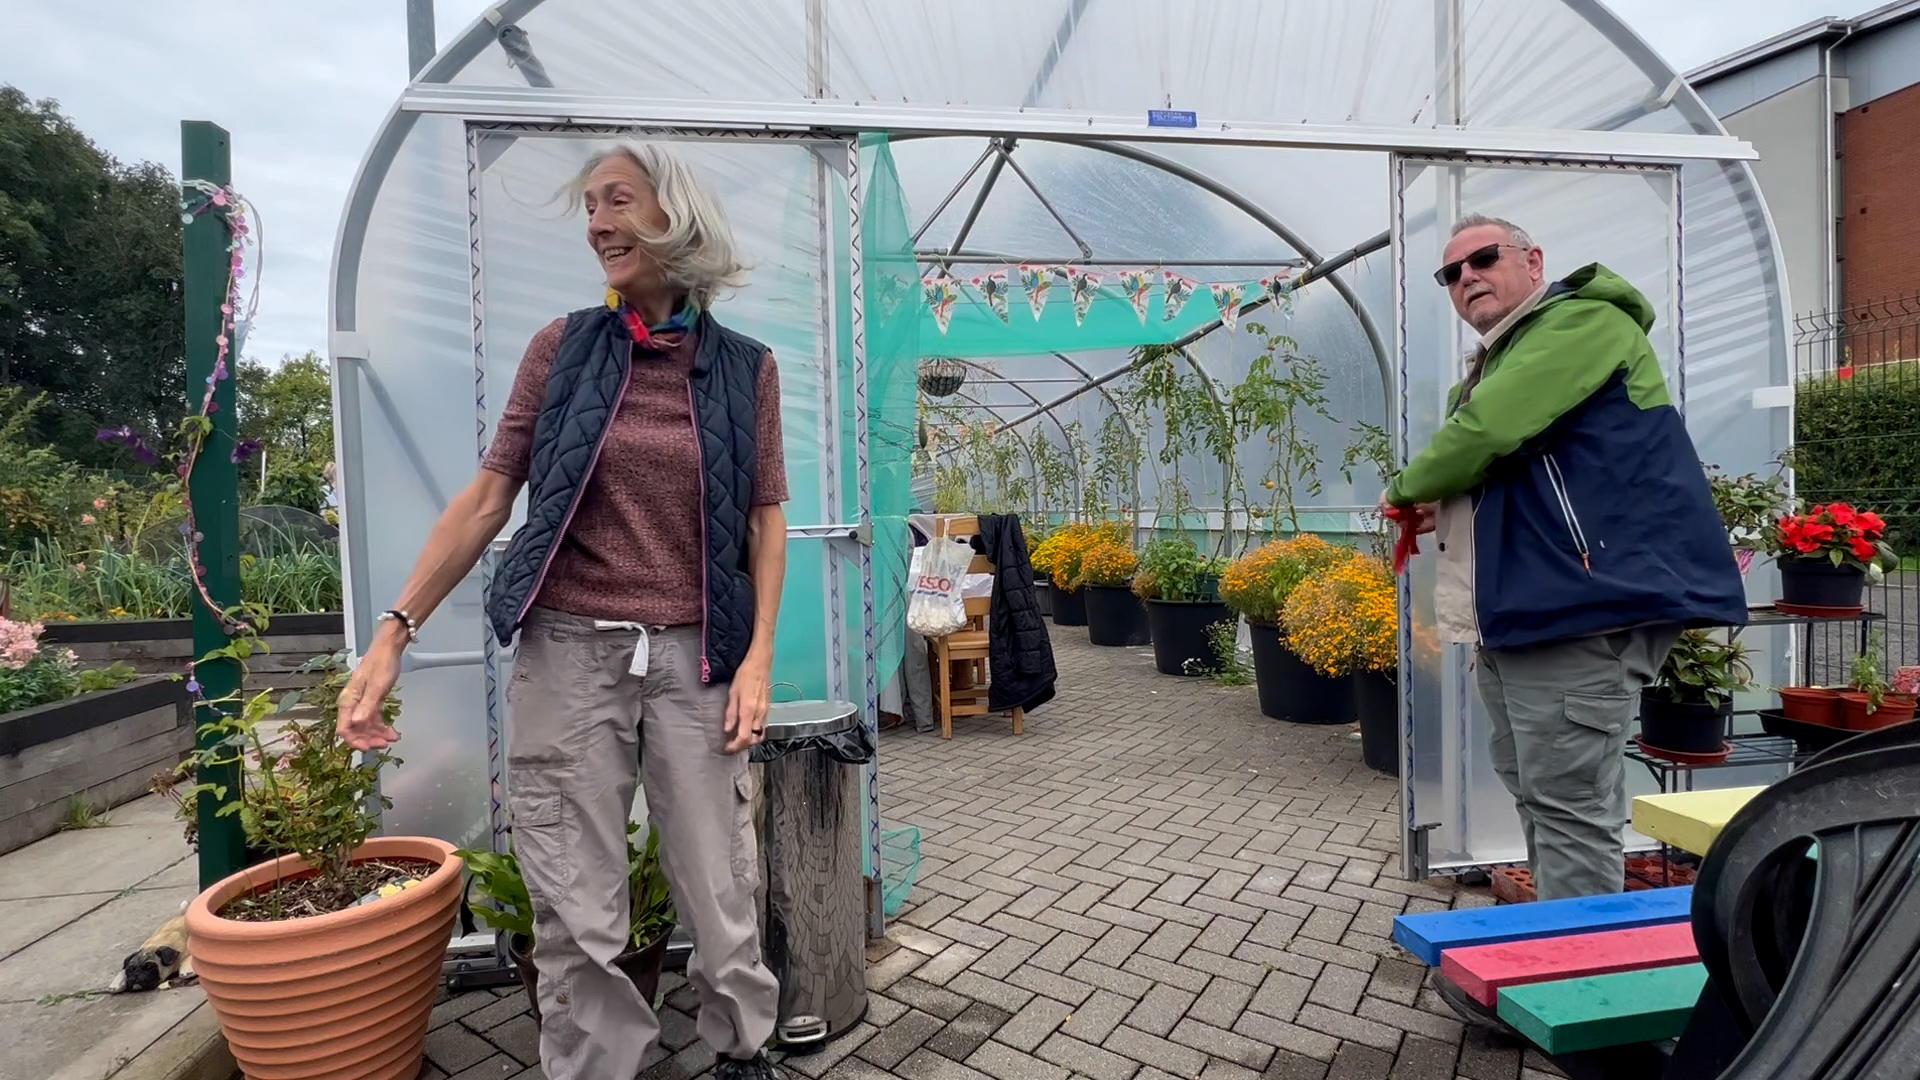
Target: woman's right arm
471, 521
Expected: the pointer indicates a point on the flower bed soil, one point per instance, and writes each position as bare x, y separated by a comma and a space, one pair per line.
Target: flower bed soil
307, 895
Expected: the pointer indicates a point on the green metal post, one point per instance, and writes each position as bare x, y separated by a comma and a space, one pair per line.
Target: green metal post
214, 486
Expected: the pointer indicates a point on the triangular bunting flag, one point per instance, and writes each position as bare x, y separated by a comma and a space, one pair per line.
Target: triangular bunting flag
1082, 286
1279, 289
940, 294
1137, 286
1038, 282
993, 288
1179, 288
1227, 299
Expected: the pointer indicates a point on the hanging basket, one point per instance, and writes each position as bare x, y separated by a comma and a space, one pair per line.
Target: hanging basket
942, 378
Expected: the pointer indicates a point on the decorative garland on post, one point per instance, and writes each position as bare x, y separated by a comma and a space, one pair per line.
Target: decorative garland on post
242, 622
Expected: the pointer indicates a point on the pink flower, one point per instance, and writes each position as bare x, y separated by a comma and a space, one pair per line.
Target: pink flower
79, 568
99, 504
19, 643
87, 519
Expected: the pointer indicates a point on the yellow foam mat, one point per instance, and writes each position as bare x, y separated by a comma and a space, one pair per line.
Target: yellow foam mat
1689, 820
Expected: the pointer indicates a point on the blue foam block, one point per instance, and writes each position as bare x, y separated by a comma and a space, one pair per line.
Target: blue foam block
1427, 936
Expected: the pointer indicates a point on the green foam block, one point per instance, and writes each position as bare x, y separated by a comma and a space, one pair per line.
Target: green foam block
1572, 1015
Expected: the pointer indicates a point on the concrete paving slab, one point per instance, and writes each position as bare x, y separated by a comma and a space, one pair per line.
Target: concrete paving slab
106, 859
23, 922
193, 1049
82, 1039
85, 954
183, 874
147, 810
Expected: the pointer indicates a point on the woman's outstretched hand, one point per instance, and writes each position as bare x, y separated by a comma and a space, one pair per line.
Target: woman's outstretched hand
362, 722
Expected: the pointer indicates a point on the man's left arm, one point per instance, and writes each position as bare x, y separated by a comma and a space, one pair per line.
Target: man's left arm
1563, 358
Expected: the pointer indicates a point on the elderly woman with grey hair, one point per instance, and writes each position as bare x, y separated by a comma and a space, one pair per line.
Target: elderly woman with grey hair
644, 587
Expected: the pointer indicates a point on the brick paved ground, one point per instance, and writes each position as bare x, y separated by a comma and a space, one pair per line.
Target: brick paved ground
1155, 881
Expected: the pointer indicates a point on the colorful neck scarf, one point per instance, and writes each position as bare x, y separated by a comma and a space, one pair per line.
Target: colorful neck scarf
643, 335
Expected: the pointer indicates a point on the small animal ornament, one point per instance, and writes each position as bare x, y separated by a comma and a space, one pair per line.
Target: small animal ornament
162, 959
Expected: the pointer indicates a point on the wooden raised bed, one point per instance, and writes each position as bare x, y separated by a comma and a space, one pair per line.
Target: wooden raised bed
165, 646
102, 747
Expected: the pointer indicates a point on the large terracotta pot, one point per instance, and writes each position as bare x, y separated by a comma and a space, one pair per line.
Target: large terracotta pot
343, 996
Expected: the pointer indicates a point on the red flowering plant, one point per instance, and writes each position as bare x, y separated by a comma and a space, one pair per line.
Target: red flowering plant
1835, 532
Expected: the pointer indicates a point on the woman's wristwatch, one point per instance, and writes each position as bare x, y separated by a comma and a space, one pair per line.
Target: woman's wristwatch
405, 620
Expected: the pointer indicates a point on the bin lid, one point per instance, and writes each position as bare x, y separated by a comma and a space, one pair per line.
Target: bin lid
802, 719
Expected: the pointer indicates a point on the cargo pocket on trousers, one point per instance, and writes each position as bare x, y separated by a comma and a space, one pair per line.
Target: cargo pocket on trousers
745, 854
540, 844
1593, 740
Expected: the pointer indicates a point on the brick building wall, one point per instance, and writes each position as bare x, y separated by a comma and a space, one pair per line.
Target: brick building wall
1879, 146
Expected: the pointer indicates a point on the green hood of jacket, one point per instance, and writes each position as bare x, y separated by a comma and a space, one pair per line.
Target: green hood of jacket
1596, 282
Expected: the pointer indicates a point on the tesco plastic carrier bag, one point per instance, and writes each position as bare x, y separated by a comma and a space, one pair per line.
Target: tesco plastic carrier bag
938, 606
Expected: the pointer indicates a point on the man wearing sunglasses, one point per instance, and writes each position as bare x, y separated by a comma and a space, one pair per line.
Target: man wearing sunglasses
1576, 536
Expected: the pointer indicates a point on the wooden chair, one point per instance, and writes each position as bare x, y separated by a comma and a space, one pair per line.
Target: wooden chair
959, 661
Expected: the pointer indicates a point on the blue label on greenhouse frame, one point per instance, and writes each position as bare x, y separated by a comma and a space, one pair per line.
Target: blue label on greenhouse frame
1171, 118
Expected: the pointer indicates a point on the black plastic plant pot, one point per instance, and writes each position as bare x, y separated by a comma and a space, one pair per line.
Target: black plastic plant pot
1683, 727
1181, 641
1115, 617
642, 966
1376, 701
1043, 595
1292, 691
1069, 608
1819, 583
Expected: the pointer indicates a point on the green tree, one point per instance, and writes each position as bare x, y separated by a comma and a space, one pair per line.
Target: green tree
91, 309
287, 410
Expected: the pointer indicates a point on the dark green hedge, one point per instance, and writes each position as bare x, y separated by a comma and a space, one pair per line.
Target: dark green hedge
1857, 440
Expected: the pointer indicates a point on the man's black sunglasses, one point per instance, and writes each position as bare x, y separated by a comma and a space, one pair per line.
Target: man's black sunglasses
1481, 260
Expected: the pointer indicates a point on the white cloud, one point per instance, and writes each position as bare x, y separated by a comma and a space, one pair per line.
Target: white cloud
304, 85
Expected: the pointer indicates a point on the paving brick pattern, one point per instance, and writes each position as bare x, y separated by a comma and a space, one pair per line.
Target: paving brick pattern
1154, 881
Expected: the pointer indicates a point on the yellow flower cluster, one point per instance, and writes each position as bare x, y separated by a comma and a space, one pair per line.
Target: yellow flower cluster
1107, 563
1343, 619
1060, 554
1258, 583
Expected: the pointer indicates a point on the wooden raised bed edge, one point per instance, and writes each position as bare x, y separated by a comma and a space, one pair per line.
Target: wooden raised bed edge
44, 723
97, 630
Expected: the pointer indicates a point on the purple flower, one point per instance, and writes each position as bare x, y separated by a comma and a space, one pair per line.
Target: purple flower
124, 436
245, 449
193, 686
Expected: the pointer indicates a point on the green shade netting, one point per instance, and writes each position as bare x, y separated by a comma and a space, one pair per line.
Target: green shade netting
1110, 323
890, 288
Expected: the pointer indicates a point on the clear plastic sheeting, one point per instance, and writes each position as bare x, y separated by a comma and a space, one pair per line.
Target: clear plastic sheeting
453, 251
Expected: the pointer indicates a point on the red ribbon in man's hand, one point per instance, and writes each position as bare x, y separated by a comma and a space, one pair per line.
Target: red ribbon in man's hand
1408, 544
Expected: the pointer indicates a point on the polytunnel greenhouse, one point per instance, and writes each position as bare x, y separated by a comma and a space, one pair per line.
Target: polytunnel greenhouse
993, 244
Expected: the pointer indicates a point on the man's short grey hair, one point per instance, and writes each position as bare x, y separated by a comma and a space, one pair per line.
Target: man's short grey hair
1514, 232
695, 251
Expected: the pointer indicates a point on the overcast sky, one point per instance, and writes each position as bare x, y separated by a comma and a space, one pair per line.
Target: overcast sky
302, 85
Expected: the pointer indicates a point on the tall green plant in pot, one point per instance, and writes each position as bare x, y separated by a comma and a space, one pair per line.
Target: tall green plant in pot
1181, 588
1684, 713
508, 909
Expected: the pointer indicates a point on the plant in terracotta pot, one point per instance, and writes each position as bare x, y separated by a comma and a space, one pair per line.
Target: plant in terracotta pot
324, 961
1181, 588
1819, 705
1747, 506
1870, 702
508, 910
1115, 617
1340, 622
1685, 711
1826, 556
1256, 587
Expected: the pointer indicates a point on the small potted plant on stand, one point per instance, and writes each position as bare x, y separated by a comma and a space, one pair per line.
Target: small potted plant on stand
1825, 557
1181, 589
1870, 703
1256, 587
1115, 617
509, 910
323, 962
1747, 506
1683, 715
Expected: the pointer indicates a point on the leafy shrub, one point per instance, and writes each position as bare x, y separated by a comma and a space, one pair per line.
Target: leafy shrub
1175, 570
1857, 440
31, 674
54, 582
1060, 554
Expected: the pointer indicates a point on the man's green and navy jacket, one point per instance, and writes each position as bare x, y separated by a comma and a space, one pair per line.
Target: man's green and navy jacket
1591, 512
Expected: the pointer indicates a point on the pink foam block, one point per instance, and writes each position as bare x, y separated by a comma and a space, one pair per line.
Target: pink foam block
1482, 970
